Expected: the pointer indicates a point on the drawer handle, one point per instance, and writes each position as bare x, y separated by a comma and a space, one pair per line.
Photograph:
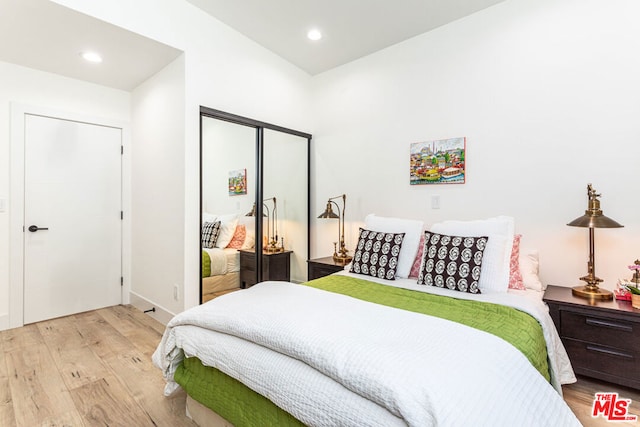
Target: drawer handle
613, 325
609, 352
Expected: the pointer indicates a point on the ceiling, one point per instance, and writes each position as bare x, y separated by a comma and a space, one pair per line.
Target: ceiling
46, 36
351, 28
43, 35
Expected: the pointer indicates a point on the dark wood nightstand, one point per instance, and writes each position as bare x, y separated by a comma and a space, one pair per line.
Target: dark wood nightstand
275, 266
320, 267
602, 338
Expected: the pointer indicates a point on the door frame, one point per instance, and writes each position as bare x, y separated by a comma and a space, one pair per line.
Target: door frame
16, 201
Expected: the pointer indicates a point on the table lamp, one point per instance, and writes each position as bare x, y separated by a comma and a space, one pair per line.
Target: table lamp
272, 225
340, 255
592, 219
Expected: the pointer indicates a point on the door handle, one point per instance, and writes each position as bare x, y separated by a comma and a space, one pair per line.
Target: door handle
34, 228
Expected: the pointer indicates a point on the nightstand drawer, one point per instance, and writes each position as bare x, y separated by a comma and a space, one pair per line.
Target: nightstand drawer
321, 267
248, 261
318, 272
609, 332
602, 359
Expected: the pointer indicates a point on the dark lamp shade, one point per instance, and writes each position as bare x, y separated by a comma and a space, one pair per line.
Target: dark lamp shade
328, 213
595, 221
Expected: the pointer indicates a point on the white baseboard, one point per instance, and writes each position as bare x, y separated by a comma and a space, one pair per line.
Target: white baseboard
161, 314
4, 322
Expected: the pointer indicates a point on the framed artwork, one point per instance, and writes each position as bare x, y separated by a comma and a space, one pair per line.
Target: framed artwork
237, 182
438, 162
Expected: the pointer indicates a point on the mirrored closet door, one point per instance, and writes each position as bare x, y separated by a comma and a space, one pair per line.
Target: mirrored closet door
285, 178
254, 200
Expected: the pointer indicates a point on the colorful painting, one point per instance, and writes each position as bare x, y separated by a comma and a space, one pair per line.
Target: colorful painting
237, 182
438, 162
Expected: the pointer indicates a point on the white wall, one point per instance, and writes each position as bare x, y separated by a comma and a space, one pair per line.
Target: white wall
35, 88
157, 189
546, 92
223, 70
227, 146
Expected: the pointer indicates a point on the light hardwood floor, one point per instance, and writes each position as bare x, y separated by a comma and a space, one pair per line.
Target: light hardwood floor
89, 369
94, 369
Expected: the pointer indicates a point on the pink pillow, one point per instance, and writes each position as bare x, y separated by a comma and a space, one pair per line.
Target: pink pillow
238, 237
515, 276
417, 262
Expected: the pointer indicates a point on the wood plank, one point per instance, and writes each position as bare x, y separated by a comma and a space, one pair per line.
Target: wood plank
60, 332
134, 325
103, 339
37, 389
146, 319
67, 419
134, 365
7, 417
21, 338
77, 364
106, 402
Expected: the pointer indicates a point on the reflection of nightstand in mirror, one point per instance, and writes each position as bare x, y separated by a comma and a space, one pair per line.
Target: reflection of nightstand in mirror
275, 266
320, 267
602, 338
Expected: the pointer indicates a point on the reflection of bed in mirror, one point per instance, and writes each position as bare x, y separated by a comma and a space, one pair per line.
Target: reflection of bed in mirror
220, 272
222, 238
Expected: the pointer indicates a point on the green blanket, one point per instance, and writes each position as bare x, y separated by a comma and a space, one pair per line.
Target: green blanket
243, 407
229, 398
206, 264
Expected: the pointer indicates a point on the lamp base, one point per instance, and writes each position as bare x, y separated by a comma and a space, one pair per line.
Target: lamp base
590, 293
342, 260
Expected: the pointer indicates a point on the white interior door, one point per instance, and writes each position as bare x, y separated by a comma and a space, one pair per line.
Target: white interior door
73, 195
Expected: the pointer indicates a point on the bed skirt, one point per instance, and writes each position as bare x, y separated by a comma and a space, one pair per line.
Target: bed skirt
203, 416
215, 286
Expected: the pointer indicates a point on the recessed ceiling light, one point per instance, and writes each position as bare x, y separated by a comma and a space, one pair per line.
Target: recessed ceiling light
314, 34
91, 57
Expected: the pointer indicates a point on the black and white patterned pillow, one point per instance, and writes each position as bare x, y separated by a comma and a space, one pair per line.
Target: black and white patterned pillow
452, 262
210, 233
377, 254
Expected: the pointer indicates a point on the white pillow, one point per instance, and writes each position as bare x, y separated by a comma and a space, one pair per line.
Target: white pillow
494, 274
208, 217
249, 241
227, 228
412, 230
250, 223
529, 267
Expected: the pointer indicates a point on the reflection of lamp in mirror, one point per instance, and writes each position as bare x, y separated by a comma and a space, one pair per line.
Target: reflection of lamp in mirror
339, 255
272, 225
593, 218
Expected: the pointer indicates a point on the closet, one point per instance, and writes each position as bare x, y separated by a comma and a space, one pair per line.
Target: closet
252, 170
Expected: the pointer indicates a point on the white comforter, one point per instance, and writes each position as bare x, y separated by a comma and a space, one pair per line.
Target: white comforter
329, 359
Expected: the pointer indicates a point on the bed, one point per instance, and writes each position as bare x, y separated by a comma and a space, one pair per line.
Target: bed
220, 272
353, 349
221, 238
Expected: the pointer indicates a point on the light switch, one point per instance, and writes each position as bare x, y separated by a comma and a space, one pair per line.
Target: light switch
3, 204
435, 202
